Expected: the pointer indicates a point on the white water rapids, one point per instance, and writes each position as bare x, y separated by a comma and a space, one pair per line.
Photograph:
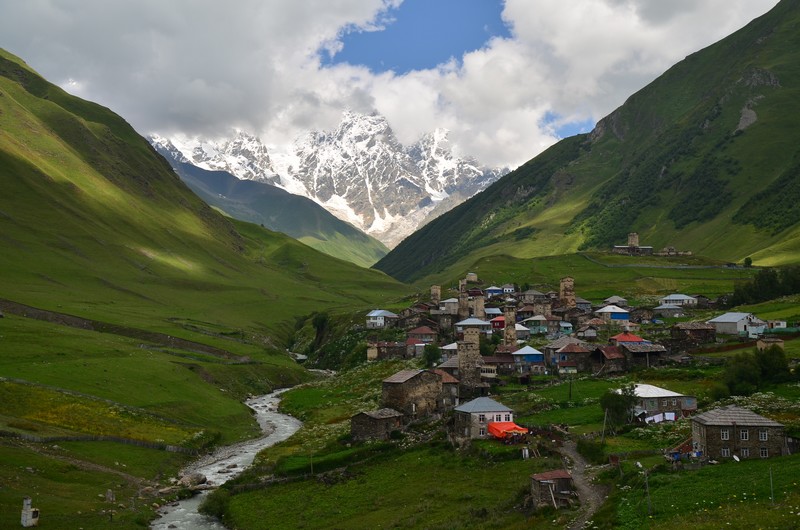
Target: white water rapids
227, 462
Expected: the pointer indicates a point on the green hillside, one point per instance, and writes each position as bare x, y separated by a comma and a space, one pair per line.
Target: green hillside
706, 158
131, 308
281, 211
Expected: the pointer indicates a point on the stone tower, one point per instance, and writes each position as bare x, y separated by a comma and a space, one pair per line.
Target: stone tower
473, 336
436, 294
510, 329
463, 305
566, 292
469, 367
477, 307
633, 239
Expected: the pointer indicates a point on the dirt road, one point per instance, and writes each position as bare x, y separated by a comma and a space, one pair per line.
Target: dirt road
590, 495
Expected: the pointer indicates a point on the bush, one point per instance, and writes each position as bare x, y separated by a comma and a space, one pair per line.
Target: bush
592, 450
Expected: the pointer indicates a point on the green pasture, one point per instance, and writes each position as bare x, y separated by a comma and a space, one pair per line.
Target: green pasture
598, 276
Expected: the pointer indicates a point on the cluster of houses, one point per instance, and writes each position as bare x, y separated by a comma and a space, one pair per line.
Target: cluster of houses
584, 338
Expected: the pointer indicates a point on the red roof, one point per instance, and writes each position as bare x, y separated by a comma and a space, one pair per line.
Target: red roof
411, 341
552, 475
446, 378
567, 363
498, 319
612, 352
422, 330
573, 348
627, 337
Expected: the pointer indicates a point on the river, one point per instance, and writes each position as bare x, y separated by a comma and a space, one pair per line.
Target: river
227, 462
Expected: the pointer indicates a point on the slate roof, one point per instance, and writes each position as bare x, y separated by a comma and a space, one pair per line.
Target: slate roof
381, 414
573, 348
482, 404
638, 347
563, 341
402, 376
732, 414
447, 379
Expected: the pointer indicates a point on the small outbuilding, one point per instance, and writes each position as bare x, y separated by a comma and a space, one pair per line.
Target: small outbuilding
553, 488
375, 424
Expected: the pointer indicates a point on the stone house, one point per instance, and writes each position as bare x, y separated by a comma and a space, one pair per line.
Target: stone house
734, 431
694, 332
765, 343
375, 424
552, 488
449, 397
415, 393
645, 354
423, 334
574, 355
380, 350
472, 418
608, 360
655, 404
549, 350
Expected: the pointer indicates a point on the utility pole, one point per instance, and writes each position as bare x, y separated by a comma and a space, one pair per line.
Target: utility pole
771, 490
603, 435
647, 489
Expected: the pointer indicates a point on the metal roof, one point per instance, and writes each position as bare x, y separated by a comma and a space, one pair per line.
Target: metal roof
482, 404
402, 376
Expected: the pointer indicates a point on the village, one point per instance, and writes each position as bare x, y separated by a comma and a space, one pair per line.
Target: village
482, 338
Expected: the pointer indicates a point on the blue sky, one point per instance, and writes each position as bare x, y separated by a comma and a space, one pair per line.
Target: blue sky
422, 34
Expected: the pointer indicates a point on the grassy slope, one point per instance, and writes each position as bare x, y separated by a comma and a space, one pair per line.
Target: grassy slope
666, 164
93, 223
598, 276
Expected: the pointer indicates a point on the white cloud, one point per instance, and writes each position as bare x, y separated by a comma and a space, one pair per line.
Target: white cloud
204, 67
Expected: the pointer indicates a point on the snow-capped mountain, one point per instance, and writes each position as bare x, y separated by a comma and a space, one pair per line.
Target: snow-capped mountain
359, 172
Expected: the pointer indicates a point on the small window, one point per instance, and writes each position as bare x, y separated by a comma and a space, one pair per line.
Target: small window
508, 417
763, 435
744, 435
745, 452
482, 432
725, 452
674, 402
499, 417
764, 452
724, 434
664, 402
481, 418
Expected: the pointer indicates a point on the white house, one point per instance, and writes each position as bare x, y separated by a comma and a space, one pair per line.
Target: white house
679, 300
380, 318
738, 324
472, 418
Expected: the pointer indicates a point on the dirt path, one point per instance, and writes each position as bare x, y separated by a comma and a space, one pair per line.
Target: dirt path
591, 496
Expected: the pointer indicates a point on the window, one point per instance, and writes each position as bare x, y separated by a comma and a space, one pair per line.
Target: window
725, 452
764, 452
508, 417
744, 435
482, 432
674, 402
499, 417
745, 452
481, 418
724, 434
664, 402
762, 435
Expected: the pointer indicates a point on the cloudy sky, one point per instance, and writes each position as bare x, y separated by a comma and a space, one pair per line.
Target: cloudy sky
507, 78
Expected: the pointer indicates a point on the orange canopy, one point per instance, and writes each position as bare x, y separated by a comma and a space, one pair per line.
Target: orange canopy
499, 429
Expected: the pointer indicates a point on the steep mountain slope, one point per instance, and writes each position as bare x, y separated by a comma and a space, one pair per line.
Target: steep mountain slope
277, 209
705, 159
132, 309
359, 172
